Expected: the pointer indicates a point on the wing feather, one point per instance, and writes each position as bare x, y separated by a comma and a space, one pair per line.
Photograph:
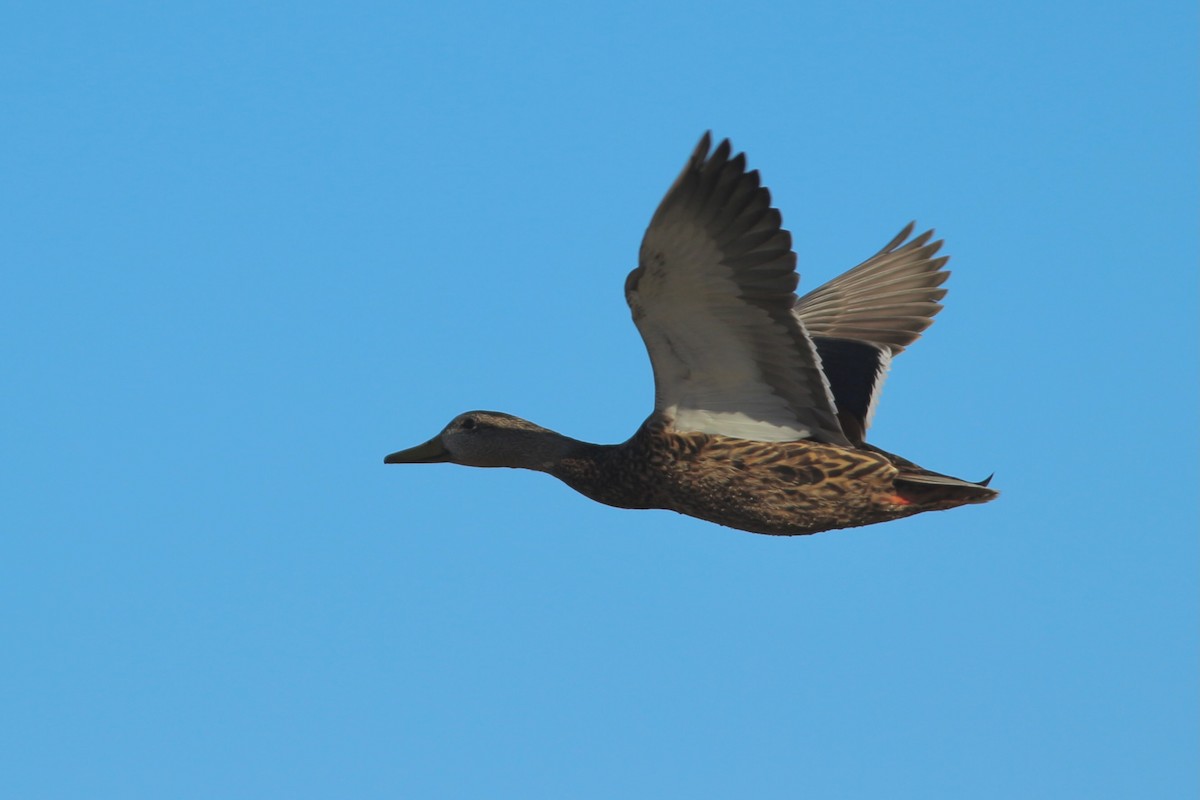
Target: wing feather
713, 298
862, 304
863, 318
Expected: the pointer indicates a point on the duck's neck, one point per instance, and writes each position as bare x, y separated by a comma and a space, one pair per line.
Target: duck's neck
605, 473
553, 453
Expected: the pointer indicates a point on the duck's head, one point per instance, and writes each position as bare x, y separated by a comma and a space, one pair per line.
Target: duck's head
488, 439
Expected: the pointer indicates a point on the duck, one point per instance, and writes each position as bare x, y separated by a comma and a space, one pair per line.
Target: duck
762, 399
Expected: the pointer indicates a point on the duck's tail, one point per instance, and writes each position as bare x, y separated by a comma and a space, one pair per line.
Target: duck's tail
931, 490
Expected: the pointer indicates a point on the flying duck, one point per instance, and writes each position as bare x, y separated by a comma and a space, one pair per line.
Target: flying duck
762, 400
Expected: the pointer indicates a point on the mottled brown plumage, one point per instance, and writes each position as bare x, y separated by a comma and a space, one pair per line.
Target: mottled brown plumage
775, 488
762, 401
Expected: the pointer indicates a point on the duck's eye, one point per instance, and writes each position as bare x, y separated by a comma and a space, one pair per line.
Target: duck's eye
468, 424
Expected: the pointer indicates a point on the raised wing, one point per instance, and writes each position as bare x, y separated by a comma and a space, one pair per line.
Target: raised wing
713, 296
864, 317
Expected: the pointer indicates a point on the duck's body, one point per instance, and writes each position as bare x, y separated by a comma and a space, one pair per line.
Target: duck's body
762, 401
778, 488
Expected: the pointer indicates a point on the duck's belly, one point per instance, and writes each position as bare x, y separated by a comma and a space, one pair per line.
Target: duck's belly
800, 489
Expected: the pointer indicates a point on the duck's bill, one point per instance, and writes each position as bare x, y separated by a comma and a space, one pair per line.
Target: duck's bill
429, 453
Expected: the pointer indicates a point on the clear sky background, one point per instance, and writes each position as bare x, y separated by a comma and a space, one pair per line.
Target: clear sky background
250, 248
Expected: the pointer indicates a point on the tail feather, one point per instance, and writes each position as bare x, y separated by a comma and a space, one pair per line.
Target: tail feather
941, 491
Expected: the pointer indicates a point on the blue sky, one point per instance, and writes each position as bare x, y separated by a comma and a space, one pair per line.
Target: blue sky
249, 249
